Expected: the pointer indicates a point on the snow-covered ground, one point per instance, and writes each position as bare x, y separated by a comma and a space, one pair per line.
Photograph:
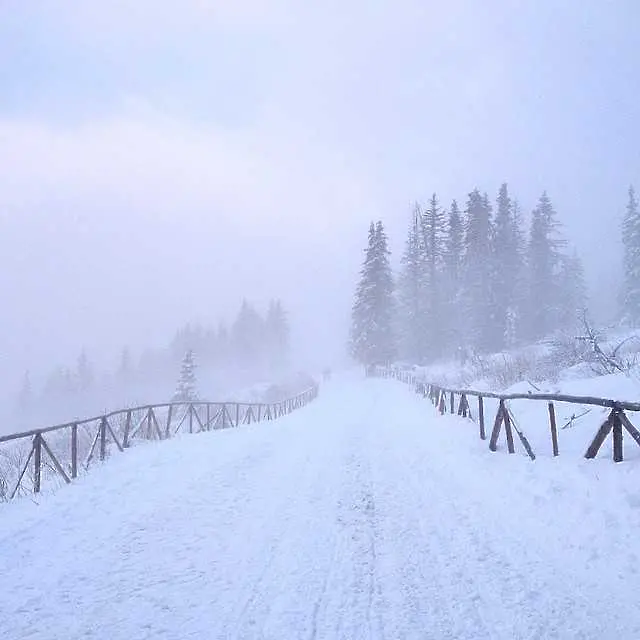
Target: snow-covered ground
538, 368
363, 516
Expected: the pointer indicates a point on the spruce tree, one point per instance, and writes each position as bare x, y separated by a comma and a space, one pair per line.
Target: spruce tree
515, 324
277, 334
84, 373
507, 265
371, 337
411, 335
453, 274
543, 306
25, 396
434, 236
572, 291
125, 368
478, 272
248, 336
186, 390
630, 295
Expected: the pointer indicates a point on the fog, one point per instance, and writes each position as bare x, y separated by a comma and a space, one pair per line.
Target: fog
162, 161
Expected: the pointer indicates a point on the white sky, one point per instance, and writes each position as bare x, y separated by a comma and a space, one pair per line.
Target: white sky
161, 160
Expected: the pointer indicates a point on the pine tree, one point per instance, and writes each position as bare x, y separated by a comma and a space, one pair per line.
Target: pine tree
223, 345
277, 334
544, 258
572, 290
478, 272
186, 390
84, 373
507, 264
434, 235
630, 295
516, 325
410, 324
248, 336
371, 338
453, 275
125, 368
25, 396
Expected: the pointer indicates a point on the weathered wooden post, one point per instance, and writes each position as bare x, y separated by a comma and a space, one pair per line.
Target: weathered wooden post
502, 417
103, 438
617, 437
483, 435
442, 403
149, 424
127, 429
74, 451
37, 462
167, 429
507, 427
554, 429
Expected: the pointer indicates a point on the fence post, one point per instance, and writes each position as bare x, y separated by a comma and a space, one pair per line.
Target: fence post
617, 437
191, 418
600, 436
237, 414
453, 403
74, 451
442, 402
507, 428
554, 428
37, 462
127, 429
168, 433
224, 416
483, 435
103, 438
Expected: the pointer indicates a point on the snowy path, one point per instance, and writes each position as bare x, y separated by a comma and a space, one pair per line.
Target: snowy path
363, 516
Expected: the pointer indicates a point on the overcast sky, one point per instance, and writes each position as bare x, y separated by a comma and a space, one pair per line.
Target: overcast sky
160, 160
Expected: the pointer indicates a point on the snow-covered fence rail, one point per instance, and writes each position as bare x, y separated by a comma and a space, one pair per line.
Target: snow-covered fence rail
63, 451
457, 401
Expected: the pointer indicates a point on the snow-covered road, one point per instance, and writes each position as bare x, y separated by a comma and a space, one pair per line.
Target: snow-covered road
363, 516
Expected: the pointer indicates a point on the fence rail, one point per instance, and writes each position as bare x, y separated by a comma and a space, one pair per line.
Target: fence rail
71, 446
457, 401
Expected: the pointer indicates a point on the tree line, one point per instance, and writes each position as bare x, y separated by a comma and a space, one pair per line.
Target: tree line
472, 278
254, 343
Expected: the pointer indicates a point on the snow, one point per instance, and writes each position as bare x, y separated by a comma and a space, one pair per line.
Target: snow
365, 515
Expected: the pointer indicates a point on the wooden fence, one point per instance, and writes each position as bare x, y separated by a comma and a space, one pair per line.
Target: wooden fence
457, 401
69, 448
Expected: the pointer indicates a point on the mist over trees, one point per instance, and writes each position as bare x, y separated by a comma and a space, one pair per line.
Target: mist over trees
473, 280
254, 347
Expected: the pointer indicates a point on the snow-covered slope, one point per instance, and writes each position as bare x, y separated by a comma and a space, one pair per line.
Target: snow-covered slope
365, 515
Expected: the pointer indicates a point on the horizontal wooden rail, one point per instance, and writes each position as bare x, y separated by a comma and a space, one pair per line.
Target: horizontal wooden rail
444, 397
61, 456
146, 407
